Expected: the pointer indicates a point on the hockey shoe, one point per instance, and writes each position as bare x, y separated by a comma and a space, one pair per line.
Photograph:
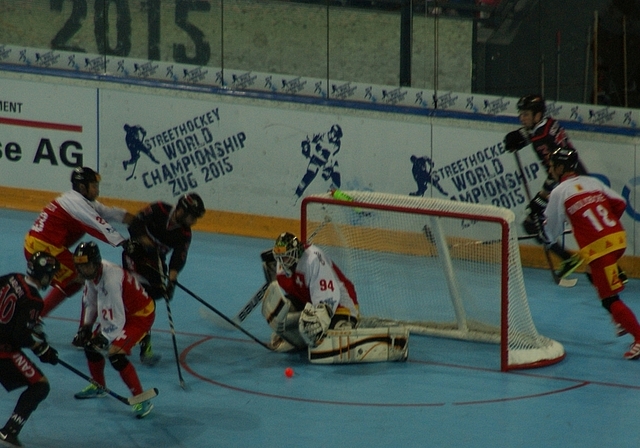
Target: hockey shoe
568, 266
634, 351
141, 410
8, 438
619, 329
147, 357
91, 391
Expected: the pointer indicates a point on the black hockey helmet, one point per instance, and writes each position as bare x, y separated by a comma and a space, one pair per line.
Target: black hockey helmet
534, 103
287, 249
42, 266
87, 252
83, 175
192, 204
88, 260
567, 157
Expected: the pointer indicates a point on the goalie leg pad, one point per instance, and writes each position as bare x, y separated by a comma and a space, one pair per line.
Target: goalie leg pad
282, 317
362, 345
275, 306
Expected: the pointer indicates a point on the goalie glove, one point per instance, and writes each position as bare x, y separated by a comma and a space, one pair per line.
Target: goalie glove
314, 323
516, 140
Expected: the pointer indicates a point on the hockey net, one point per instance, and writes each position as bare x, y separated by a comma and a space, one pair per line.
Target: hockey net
439, 267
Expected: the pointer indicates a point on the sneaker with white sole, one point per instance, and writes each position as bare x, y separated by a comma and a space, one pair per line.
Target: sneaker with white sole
141, 410
147, 357
8, 438
634, 351
91, 391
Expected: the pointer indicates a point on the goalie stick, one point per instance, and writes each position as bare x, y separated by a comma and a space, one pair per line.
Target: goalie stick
555, 247
136, 399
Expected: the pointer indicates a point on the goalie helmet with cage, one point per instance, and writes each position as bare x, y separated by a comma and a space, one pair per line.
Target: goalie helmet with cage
42, 266
567, 157
534, 103
287, 250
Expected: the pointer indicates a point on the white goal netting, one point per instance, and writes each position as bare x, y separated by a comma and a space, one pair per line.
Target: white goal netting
438, 267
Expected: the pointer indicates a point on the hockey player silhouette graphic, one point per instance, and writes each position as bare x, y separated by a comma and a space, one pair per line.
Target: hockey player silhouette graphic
321, 151
135, 143
421, 170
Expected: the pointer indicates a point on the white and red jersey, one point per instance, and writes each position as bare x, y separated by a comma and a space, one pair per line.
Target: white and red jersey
594, 212
317, 280
113, 297
70, 216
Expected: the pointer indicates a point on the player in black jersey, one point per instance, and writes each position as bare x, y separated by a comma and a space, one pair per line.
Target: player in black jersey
156, 231
20, 306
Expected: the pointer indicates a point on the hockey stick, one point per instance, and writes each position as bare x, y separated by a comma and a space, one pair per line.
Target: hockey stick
496, 241
134, 170
136, 399
205, 303
175, 344
555, 247
259, 295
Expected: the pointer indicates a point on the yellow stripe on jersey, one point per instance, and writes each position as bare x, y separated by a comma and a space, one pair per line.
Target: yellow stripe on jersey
604, 246
150, 308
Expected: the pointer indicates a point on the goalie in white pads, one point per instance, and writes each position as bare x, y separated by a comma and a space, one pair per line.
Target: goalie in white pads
319, 308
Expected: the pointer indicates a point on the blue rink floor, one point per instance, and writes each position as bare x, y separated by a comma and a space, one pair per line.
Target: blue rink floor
448, 394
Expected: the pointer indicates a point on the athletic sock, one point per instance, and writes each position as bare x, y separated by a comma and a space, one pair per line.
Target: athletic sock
130, 378
96, 368
625, 317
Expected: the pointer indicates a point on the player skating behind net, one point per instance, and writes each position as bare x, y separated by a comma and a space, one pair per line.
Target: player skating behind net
310, 304
545, 134
594, 212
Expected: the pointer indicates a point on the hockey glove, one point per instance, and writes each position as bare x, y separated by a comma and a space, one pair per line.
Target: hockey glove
82, 337
46, 353
538, 205
170, 290
99, 342
533, 225
515, 140
37, 330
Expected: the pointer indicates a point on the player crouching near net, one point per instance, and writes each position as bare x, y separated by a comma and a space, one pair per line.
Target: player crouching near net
20, 307
319, 308
114, 300
594, 212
